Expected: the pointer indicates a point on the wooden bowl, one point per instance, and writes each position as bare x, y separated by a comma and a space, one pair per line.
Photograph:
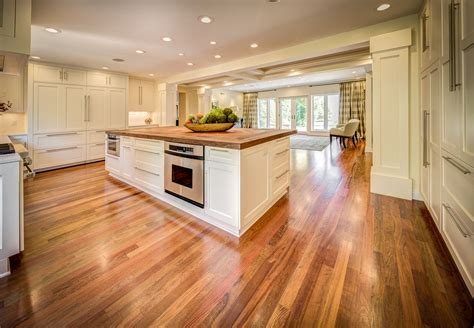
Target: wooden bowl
214, 127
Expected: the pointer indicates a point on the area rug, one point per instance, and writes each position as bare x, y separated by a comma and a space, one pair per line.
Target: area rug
308, 142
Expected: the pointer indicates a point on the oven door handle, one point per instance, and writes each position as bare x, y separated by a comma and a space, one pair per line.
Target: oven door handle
177, 154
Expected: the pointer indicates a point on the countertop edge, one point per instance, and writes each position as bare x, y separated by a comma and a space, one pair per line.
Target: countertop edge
222, 144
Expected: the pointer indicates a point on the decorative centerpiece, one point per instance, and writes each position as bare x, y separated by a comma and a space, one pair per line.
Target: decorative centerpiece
217, 120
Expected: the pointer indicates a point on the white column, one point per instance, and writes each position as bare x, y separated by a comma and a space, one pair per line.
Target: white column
390, 173
167, 94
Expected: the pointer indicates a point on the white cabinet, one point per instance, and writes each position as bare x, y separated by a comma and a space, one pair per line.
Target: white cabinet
430, 36
95, 151
48, 107
56, 74
117, 100
127, 160
222, 192
141, 95
15, 26
74, 104
101, 79
59, 156
97, 108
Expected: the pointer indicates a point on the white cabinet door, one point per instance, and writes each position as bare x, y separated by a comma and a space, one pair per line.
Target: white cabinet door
44, 73
97, 109
127, 161
451, 114
74, 102
147, 96
49, 110
10, 86
221, 188
134, 91
117, 108
7, 19
117, 81
74, 76
97, 79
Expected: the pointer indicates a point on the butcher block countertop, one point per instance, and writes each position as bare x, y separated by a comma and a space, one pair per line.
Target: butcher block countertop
235, 138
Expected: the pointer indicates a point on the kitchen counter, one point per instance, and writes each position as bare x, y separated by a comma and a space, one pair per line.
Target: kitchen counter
236, 138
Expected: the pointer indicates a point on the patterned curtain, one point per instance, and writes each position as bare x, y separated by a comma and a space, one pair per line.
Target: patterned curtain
250, 110
352, 104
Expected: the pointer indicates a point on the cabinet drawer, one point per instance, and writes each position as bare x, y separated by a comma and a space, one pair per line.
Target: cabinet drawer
457, 230
112, 164
222, 155
457, 184
149, 161
43, 73
95, 137
59, 140
95, 151
280, 145
59, 156
127, 141
148, 180
281, 158
151, 145
280, 179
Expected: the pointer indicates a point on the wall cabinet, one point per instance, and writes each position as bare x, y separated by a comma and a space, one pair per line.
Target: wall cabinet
430, 20
55, 74
101, 79
15, 26
141, 95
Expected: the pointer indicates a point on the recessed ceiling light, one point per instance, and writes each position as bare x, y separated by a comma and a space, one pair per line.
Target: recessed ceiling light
213, 42
35, 57
105, 67
217, 56
383, 7
138, 51
292, 70
190, 64
119, 60
273, 1
151, 74
227, 83
254, 45
180, 54
353, 72
52, 30
206, 19
166, 39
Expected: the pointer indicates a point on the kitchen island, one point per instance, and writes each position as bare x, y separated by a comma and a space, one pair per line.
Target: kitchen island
228, 179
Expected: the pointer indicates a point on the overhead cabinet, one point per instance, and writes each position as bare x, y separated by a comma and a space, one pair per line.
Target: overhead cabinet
101, 79
70, 116
141, 95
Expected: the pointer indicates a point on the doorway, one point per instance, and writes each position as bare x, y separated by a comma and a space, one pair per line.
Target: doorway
294, 113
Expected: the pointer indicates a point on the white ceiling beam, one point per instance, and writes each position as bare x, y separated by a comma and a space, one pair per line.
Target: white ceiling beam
244, 76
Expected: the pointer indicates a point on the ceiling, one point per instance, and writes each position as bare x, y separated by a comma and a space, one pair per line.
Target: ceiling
326, 77
95, 31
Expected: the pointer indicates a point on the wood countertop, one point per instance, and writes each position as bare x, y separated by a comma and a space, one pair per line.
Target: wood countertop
235, 138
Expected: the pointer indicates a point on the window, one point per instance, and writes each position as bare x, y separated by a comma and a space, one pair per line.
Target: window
325, 111
266, 112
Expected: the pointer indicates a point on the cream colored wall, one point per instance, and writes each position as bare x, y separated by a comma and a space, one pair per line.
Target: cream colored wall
13, 123
228, 98
299, 91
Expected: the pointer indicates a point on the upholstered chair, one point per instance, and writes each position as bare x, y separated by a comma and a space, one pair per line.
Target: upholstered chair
345, 131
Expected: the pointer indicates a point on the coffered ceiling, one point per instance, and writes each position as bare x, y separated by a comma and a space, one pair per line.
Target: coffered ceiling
93, 32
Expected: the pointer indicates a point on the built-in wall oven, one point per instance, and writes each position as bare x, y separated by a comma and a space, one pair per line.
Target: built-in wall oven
113, 145
184, 172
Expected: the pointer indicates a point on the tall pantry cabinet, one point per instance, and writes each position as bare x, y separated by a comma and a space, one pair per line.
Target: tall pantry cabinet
447, 131
71, 109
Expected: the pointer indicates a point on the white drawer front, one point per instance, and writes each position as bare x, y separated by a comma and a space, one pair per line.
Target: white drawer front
149, 161
95, 151
148, 180
222, 155
59, 140
60, 156
112, 164
280, 145
127, 141
95, 137
280, 179
153, 145
281, 158
458, 230
460, 186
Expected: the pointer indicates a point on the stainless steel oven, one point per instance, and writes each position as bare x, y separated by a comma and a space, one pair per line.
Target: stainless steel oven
184, 172
113, 145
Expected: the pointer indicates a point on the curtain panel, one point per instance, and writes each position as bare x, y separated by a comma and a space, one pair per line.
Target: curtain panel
352, 104
249, 113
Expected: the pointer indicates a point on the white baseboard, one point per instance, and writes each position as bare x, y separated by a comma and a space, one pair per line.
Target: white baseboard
418, 196
4, 267
399, 187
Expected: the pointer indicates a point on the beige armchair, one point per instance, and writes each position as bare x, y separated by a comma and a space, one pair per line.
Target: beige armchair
343, 131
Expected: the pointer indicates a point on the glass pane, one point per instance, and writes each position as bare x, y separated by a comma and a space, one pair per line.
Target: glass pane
285, 113
318, 112
272, 114
262, 113
182, 175
301, 113
333, 111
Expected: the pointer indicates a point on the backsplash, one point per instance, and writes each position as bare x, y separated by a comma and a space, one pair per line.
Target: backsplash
140, 118
13, 123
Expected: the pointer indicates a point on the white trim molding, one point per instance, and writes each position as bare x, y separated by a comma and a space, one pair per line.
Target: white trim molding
390, 108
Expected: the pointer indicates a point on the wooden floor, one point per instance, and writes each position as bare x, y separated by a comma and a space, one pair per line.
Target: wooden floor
100, 253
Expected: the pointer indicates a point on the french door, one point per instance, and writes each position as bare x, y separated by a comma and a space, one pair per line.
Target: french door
294, 113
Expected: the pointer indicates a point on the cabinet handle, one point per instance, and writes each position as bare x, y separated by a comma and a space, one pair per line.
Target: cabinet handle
101, 144
61, 75
85, 108
282, 152
61, 134
282, 175
453, 55
457, 221
65, 76
426, 114
60, 149
220, 150
88, 108
454, 163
